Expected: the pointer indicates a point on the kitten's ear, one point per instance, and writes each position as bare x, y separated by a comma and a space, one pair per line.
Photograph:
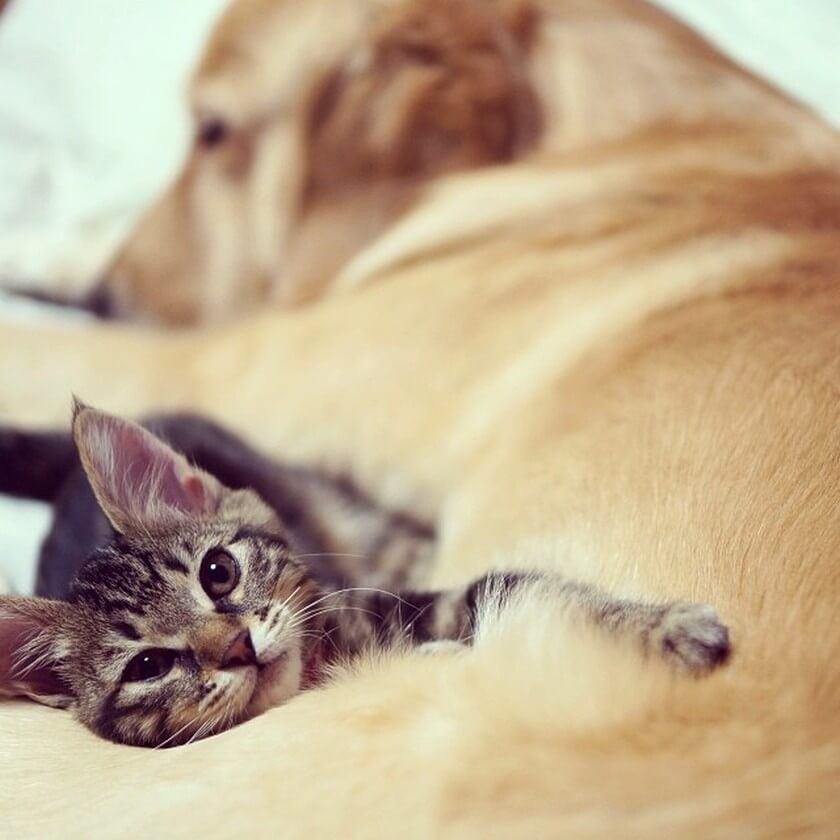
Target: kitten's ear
31, 650
141, 483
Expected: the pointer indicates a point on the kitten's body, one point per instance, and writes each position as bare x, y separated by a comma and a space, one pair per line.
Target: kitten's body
200, 610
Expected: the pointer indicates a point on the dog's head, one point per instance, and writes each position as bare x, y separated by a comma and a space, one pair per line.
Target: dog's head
316, 124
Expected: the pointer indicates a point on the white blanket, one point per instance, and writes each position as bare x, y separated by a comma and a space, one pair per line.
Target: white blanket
92, 125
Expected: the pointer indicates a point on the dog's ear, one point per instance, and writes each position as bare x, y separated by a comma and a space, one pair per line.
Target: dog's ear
32, 648
437, 85
141, 483
520, 19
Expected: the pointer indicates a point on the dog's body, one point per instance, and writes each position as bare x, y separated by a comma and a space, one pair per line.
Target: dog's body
616, 356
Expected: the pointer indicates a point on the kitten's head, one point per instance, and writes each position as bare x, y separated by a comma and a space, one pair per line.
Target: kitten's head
190, 621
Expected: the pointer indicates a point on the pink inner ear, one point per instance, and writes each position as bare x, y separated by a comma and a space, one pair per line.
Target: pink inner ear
194, 488
145, 467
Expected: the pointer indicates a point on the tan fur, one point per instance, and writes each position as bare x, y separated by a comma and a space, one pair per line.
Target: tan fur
337, 114
618, 357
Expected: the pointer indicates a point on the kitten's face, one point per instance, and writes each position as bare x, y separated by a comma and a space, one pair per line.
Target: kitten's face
193, 619
187, 634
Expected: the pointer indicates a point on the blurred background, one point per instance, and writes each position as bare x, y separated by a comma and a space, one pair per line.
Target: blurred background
92, 126
92, 123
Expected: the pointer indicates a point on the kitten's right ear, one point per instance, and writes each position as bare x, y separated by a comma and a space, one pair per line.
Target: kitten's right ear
141, 483
31, 649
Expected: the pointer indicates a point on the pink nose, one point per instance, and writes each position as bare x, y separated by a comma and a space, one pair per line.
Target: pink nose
240, 652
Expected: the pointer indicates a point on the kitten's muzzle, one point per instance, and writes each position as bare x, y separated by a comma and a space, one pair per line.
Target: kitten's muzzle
240, 652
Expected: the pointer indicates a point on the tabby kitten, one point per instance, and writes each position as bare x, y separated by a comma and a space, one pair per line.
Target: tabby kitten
198, 614
344, 535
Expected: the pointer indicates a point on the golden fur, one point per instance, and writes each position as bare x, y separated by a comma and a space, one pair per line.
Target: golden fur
616, 355
335, 116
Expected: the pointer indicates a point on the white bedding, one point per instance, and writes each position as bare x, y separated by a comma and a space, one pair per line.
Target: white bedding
92, 125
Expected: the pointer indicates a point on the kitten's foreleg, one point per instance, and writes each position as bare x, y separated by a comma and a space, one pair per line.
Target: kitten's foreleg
689, 636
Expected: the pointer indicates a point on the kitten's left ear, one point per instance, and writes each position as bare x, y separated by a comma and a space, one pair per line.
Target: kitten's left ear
31, 650
141, 483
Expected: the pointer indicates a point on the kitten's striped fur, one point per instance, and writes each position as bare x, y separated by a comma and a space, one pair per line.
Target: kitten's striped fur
342, 533
229, 655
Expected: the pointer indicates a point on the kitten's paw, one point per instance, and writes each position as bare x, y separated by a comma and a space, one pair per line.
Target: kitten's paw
691, 637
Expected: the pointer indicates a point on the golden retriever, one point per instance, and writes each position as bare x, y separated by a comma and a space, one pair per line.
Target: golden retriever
614, 351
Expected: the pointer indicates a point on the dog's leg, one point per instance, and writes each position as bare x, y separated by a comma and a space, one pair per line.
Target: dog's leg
297, 386
129, 371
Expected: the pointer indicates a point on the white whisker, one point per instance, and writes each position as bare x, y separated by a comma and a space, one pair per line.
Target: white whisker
298, 618
393, 595
198, 732
285, 601
177, 732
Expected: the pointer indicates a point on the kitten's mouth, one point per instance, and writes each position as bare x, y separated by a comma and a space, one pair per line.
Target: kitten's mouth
277, 662
277, 680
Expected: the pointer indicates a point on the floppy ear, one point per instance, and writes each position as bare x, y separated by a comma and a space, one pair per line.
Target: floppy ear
141, 483
437, 85
31, 650
520, 18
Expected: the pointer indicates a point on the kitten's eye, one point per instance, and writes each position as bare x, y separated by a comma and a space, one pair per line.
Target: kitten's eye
149, 664
212, 132
219, 574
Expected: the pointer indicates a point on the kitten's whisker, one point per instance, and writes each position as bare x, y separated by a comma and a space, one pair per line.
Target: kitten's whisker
177, 732
208, 727
198, 732
306, 634
286, 600
344, 591
226, 718
219, 722
326, 595
393, 595
302, 617
410, 625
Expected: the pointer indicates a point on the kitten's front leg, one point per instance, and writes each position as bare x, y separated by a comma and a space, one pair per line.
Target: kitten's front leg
689, 636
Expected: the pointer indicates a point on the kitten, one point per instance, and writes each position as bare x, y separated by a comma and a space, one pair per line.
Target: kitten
344, 535
198, 615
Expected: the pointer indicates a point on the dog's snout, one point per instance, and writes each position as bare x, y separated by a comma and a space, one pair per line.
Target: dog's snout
100, 302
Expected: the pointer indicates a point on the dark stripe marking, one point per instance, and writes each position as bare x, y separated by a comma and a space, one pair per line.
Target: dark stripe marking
127, 630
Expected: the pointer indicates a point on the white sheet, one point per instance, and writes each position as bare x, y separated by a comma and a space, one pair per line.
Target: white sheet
92, 125
794, 43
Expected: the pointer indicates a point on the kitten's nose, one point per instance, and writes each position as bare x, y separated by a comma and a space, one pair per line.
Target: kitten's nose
240, 652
